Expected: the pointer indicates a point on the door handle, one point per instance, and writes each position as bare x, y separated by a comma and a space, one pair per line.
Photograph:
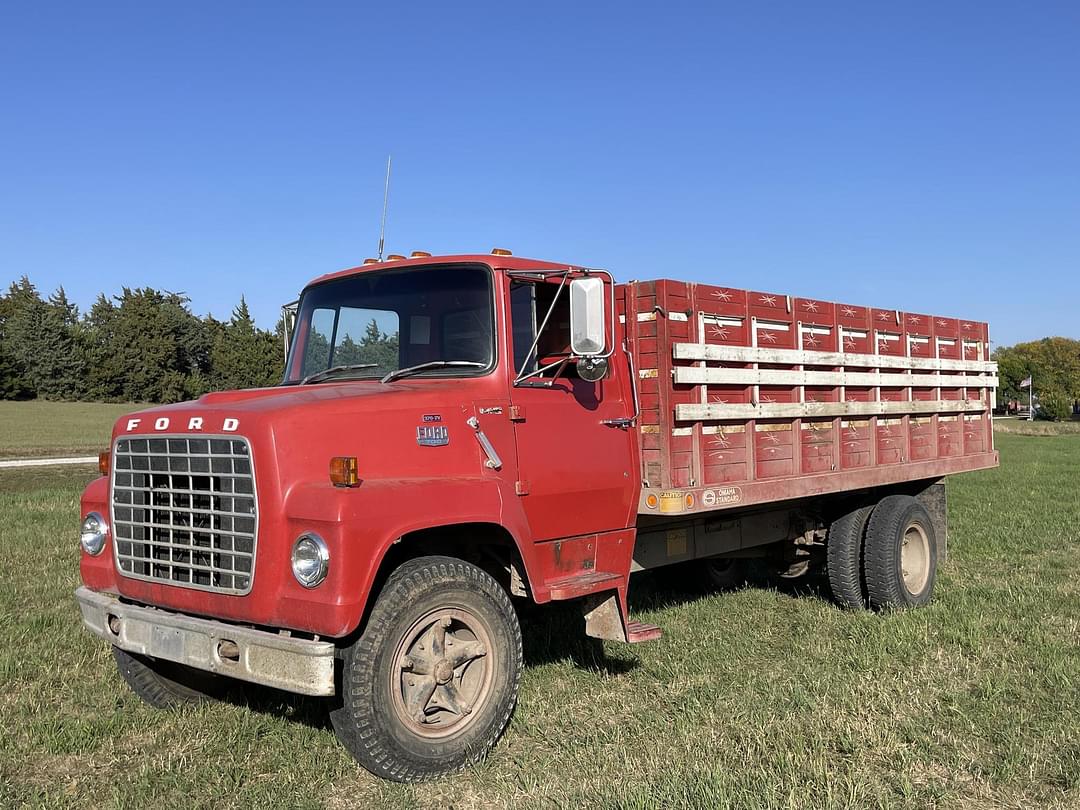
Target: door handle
622, 423
493, 460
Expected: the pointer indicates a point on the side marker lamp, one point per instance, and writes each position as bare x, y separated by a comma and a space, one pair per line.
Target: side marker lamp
344, 471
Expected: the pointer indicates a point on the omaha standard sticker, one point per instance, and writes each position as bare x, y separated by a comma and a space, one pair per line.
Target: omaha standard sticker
724, 496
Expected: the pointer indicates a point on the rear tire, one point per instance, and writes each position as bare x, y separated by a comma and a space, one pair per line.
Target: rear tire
724, 573
164, 684
900, 560
844, 558
430, 685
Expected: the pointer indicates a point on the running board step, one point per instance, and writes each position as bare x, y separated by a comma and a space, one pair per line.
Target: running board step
582, 584
637, 632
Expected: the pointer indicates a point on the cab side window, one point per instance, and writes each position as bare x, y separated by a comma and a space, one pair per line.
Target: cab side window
530, 303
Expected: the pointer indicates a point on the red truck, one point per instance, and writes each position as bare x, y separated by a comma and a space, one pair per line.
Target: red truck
456, 433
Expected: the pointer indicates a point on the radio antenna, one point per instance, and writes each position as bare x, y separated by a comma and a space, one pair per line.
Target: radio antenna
385, 205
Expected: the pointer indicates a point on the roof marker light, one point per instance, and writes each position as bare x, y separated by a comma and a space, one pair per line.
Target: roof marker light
419, 254
501, 252
395, 257
371, 261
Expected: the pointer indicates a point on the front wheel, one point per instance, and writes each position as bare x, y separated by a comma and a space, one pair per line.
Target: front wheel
430, 685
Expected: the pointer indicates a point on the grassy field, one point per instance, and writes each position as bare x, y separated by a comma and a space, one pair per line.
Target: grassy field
752, 699
40, 428
1022, 427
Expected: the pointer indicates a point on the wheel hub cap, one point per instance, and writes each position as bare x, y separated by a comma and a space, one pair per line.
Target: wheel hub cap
443, 672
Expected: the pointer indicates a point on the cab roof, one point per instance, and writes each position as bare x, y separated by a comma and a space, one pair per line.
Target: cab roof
496, 262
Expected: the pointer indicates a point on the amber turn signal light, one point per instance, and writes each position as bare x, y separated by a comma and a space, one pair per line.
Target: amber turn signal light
343, 471
103, 459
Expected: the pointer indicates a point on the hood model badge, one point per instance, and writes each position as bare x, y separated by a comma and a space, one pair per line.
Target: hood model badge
432, 435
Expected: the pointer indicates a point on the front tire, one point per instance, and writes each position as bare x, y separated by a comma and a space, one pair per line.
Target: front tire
430, 685
901, 554
165, 685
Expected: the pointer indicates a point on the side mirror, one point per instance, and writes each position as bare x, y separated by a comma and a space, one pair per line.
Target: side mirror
587, 327
288, 323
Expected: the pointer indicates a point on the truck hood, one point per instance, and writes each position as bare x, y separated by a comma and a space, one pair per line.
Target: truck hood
294, 430
260, 404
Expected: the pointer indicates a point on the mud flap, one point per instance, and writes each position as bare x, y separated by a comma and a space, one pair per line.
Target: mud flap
605, 618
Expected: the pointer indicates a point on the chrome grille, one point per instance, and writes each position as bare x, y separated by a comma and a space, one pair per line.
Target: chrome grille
184, 511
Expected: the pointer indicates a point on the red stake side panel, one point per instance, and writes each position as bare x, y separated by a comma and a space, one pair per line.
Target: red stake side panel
749, 397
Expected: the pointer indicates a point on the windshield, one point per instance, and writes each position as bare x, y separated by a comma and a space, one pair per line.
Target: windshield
378, 322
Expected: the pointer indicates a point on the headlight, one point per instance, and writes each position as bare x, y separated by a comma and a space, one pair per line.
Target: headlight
310, 560
92, 537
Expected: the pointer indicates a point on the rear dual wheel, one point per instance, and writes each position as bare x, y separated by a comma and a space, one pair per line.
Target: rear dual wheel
844, 558
901, 554
884, 556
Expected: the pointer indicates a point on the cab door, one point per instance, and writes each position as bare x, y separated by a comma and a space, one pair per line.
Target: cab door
576, 458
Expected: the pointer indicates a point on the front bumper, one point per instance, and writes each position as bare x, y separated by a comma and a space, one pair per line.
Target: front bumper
295, 664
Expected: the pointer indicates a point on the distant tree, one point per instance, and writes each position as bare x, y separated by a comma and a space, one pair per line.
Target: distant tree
60, 357
142, 345
316, 352
158, 348
41, 353
1054, 405
104, 373
378, 347
349, 352
15, 382
1053, 363
244, 356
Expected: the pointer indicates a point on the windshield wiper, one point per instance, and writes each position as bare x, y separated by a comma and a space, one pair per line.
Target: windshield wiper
326, 372
397, 374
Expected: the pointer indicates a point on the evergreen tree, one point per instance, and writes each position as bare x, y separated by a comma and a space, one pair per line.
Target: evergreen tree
158, 347
244, 356
104, 373
59, 353
15, 382
42, 352
146, 345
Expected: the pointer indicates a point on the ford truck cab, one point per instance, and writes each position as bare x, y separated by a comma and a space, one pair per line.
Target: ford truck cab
449, 433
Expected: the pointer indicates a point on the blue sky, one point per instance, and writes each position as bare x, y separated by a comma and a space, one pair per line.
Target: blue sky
924, 156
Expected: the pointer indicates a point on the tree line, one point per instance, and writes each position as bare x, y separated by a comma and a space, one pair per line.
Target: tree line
1053, 364
143, 345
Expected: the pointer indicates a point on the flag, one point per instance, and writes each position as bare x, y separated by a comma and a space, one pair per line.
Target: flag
1026, 382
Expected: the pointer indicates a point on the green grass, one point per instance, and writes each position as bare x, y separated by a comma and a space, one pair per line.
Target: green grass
1022, 427
40, 428
752, 699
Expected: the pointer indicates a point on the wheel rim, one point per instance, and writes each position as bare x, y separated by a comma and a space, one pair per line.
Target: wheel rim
915, 558
442, 672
